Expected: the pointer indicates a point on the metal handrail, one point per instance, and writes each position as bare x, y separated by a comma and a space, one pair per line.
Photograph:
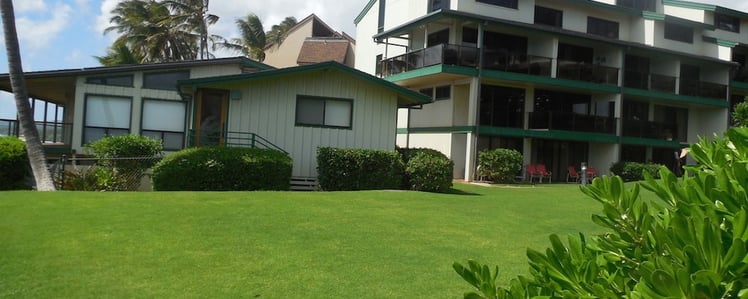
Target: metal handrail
230, 138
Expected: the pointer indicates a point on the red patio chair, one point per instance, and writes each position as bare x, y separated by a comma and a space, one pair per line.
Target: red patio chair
591, 173
544, 173
573, 174
532, 173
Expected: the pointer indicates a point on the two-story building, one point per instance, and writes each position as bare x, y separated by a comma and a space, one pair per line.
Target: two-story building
562, 81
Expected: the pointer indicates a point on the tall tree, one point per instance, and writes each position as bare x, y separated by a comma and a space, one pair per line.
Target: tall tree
150, 31
119, 55
34, 146
254, 38
193, 16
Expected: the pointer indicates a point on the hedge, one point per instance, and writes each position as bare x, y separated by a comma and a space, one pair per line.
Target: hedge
358, 169
426, 170
14, 164
634, 171
223, 169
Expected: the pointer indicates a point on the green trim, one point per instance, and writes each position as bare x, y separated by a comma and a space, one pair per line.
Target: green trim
411, 97
436, 130
676, 98
720, 42
652, 142
731, 12
551, 81
364, 12
739, 85
648, 15
433, 70
687, 4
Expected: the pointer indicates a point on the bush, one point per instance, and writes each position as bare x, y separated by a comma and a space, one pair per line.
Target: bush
426, 170
689, 241
14, 164
634, 171
500, 165
223, 169
358, 169
127, 156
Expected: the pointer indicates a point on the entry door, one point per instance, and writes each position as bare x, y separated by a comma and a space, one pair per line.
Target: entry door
210, 119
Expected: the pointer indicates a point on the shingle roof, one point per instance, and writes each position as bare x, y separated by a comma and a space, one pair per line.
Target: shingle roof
320, 50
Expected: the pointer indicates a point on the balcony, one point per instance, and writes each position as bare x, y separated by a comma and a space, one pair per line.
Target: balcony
649, 81
703, 89
439, 54
569, 121
741, 75
51, 133
517, 63
650, 129
581, 71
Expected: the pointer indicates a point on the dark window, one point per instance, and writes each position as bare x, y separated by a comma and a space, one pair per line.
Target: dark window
323, 112
502, 106
380, 24
548, 16
123, 80
574, 53
378, 66
648, 5
602, 27
435, 5
442, 92
166, 81
504, 3
438, 38
726, 22
678, 33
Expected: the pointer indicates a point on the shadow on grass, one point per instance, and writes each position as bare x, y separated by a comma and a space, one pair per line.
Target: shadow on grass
454, 191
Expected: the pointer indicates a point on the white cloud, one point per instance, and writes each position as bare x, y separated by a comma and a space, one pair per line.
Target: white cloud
74, 57
29, 5
36, 33
102, 20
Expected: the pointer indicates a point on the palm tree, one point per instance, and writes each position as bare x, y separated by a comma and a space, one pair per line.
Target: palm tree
34, 146
254, 38
119, 55
151, 32
194, 17
278, 33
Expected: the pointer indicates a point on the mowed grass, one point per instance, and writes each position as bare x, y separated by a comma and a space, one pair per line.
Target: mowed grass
370, 244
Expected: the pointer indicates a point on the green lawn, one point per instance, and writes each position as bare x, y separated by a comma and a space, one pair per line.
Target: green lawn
373, 244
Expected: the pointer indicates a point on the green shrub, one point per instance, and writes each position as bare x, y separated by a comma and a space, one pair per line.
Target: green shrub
93, 178
127, 156
689, 241
358, 169
426, 170
14, 164
500, 165
634, 171
223, 169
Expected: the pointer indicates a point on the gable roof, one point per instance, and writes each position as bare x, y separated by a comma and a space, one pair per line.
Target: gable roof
406, 97
319, 28
319, 50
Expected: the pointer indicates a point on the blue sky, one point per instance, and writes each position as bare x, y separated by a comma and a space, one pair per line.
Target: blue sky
66, 34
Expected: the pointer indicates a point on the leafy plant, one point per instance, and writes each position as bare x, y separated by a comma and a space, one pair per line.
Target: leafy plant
128, 157
740, 114
426, 170
688, 243
358, 169
634, 171
501, 165
14, 163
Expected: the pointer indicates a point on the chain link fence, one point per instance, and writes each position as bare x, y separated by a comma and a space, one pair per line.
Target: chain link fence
103, 174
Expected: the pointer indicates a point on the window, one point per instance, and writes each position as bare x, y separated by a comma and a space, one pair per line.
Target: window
106, 116
438, 93
726, 22
504, 3
121, 80
678, 33
323, 112
438, 38
165, 81
648, 5
548, 16
435, 5
380, 23
164, 120
602, 27
378, 65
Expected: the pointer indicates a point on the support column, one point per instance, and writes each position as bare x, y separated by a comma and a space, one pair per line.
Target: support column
472, 136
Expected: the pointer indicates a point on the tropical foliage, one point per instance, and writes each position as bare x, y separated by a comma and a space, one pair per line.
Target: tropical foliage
159, 31
690, 242
740, 114
254, 39
500, 165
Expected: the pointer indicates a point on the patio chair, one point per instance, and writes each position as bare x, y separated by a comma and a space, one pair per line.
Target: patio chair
591, 173
573, 174
533, 173
544, 173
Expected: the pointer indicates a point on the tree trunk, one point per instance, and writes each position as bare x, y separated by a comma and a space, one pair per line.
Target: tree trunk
26, 119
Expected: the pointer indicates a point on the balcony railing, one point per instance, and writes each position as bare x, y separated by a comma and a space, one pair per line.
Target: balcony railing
650, 129
49, 132
231, 139
703, 89
517, 63
581, 71
439, 54
649, 81
569, 121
